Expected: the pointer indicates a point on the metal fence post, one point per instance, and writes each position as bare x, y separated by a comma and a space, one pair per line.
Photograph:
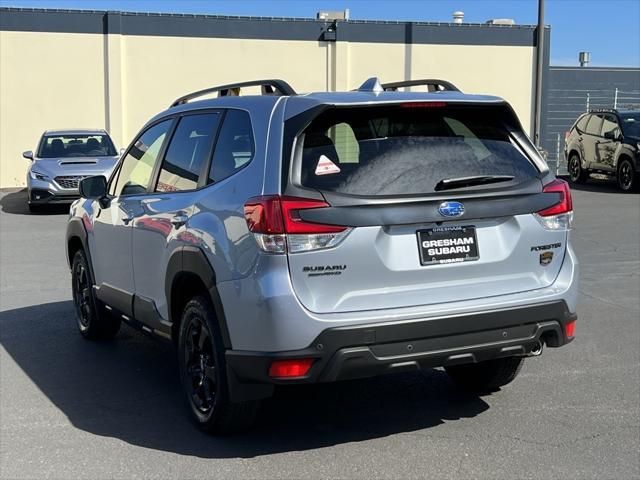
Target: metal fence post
615, 98
587, 102
558, 155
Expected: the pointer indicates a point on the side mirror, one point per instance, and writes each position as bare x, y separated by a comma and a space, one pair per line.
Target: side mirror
94, 188
611, 135
28, 155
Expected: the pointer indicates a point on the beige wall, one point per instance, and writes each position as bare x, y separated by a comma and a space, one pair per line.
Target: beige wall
62, 80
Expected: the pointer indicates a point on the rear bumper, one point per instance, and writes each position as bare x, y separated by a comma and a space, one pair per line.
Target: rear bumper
342, 353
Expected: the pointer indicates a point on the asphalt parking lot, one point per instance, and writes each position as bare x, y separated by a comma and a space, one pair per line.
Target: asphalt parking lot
74, 409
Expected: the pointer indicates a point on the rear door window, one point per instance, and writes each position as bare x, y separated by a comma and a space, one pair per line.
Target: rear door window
594, 125
610, 125
188, 151
407, 149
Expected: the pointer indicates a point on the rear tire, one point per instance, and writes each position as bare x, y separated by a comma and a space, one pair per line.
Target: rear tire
486, 376
627, 176
203, 372
577, 174
94, 323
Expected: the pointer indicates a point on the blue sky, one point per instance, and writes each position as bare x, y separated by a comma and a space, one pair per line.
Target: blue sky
609, 29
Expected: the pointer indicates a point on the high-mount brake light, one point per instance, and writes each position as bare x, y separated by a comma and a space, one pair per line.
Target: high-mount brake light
423, 104
560, 215
276, 223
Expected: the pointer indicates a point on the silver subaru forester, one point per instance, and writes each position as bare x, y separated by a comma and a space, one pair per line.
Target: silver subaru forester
284, 239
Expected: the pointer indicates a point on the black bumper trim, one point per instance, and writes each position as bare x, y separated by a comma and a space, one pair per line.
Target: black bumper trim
41, 197
374, 349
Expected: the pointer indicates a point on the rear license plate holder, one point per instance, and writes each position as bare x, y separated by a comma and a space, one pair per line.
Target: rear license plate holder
450, 244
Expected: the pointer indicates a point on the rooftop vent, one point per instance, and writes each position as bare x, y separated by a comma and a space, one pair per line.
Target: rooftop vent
584, 58
458, 16
333, 14
501, 21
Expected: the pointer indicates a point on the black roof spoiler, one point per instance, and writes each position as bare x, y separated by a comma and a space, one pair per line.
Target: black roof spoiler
269, 87
434, 84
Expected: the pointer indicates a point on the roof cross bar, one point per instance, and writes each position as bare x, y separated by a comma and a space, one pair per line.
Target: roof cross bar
434, 85
269, 87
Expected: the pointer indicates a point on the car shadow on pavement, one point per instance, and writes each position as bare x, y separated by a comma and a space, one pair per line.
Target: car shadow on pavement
129, 389
15, 202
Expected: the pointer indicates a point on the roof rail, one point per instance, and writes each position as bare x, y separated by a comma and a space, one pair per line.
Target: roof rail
434, 84
269, 87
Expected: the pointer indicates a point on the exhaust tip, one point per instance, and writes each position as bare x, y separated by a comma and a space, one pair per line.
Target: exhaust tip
536, 349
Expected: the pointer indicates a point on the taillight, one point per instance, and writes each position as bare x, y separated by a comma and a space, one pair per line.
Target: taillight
277, 226
560, 215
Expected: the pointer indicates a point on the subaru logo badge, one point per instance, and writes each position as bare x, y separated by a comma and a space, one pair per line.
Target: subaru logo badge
451, 209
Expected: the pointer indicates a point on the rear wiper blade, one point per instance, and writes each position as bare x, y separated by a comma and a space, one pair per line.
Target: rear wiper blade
450, 183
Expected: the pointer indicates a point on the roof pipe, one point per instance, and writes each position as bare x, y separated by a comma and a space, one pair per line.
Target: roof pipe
539, 69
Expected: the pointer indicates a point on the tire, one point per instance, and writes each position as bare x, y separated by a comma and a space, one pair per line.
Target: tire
577, 174
485, 377
94, 323
627, 176
203, 372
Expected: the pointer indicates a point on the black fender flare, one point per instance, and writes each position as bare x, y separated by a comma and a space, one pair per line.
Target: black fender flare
76, 229
190, 259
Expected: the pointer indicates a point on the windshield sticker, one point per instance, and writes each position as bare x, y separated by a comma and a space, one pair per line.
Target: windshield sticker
326, 166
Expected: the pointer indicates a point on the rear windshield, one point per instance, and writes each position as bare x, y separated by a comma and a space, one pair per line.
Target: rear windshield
81, 145
408, 149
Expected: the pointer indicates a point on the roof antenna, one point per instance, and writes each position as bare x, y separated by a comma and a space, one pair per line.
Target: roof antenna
371, 85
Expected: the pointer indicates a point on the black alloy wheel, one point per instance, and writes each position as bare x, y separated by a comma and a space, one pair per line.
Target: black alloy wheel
626, 176
82, 295
199, 364
93, 323
202, 364
576, 172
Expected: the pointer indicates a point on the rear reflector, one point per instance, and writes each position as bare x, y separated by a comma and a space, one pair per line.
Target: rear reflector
570, 329
290, 368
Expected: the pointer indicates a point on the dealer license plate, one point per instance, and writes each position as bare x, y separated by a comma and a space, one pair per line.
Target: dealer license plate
447, 245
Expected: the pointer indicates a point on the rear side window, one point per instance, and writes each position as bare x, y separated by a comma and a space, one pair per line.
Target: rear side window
408, 149
189, 150
594, 125
610, 125
235, 147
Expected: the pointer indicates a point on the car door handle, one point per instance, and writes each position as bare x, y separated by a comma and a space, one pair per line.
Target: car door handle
179, 220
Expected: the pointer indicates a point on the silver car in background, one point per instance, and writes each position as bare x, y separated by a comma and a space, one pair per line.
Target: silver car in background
62, 159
